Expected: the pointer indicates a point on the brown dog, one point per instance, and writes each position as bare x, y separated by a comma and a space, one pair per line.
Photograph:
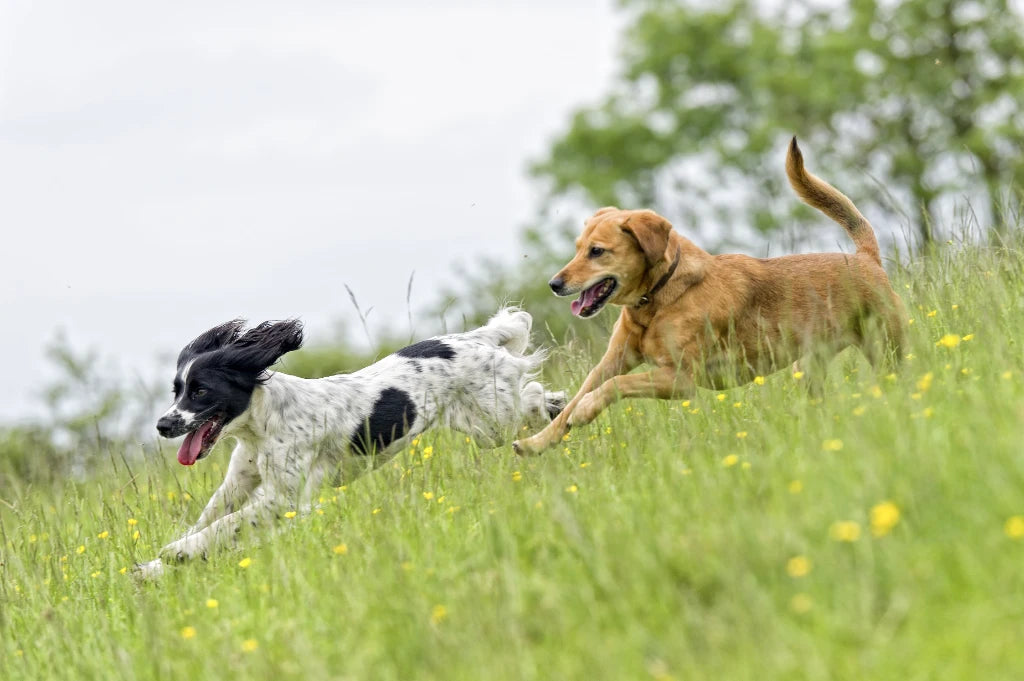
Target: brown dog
720, 320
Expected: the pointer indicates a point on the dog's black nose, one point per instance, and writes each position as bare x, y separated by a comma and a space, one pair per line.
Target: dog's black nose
557, 285
168, 426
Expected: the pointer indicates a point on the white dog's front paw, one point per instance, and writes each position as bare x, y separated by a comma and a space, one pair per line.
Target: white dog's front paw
183, 549
149, 571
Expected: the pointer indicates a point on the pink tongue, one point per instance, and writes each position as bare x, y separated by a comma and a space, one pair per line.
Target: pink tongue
585, 300
190, 448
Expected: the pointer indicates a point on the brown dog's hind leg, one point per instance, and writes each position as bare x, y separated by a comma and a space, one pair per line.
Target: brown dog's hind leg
880, 338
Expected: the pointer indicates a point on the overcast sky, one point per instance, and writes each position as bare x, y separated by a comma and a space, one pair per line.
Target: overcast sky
168, 166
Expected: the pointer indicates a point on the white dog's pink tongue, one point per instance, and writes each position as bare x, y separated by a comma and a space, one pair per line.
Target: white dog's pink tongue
193, 444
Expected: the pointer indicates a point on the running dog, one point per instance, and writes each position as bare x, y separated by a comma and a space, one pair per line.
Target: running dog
718, 321
292, 432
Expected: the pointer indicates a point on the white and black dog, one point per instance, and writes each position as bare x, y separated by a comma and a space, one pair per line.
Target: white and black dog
291, 431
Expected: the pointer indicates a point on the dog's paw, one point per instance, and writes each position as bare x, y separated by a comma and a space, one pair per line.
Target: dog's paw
183, 549
150, 571
530, 446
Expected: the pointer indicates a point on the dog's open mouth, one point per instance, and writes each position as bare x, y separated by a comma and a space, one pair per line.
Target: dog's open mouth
199, 442
593, 299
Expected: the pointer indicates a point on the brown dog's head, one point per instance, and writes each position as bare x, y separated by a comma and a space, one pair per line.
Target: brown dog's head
613, 256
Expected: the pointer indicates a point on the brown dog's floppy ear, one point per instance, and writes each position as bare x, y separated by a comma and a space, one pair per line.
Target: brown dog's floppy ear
651, 232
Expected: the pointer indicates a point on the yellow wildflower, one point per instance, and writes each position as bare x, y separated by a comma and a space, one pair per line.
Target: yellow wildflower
290, 514
244, 563
933, 313
103, 535
341, 549
950, 340
188, 632
1014, 527
516, 476
211, 603
832, 445
80, 549
925, 382
758, 380
428, 452
720, 397
969, 337
133, 521
428, 495
798, 566
250, 645
795, 486
884, 517
438, 614
859, 410
730, 460
572, 489
797, 375
742, 434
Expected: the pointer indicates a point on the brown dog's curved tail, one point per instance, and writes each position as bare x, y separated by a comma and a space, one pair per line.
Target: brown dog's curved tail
819, 194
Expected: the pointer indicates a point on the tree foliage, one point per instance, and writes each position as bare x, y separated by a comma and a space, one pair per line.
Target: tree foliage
908, 104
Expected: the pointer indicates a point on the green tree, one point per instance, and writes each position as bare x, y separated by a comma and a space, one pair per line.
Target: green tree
914, 102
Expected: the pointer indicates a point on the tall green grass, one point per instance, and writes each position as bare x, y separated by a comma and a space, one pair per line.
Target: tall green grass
757, 533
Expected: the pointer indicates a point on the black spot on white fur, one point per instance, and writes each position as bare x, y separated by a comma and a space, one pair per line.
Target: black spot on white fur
392, 416
428, 349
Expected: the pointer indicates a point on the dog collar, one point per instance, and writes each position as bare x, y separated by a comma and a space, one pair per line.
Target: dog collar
646, 298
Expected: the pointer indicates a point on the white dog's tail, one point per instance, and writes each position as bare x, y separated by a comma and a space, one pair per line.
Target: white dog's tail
509, 328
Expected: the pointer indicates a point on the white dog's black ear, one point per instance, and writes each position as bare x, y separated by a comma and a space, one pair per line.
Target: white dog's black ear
259, 347
651, 233
215, 338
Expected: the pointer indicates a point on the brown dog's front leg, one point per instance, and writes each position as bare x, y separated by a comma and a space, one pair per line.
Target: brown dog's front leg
620, 357
664, 383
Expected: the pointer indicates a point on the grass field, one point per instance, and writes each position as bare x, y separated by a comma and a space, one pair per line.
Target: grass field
751, 534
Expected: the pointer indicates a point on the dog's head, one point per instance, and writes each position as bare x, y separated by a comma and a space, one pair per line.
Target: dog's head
216, 375
613, 256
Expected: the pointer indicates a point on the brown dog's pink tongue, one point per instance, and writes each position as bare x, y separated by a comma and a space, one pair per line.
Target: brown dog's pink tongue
586, 299
193, 444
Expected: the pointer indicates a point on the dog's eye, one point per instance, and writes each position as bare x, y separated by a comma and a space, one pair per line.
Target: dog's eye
198, 392
595, 251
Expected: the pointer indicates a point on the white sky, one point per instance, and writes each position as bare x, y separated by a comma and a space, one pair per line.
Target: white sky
168, 166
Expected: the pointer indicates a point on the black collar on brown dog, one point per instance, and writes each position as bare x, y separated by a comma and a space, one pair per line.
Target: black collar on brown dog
646, 298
